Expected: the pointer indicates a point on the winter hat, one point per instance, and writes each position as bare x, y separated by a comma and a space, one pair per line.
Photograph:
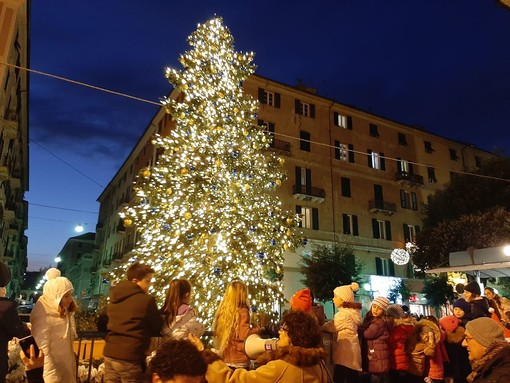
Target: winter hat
301, 300
346, 293
449, 323
5, 275
473, 287
485, 330
56, 286
395, 311
463, 305
382, 302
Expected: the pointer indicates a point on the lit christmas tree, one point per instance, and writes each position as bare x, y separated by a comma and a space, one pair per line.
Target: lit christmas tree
207, 211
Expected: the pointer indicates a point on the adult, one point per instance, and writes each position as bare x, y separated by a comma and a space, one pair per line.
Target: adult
479, 305
177, 361
501, 305
54, 329
133, 318
10, 324
488, 351
298, 357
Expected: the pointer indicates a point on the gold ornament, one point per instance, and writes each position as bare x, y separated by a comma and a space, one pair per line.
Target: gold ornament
281, 160
278, 182
286, 247
169, 191
289, 233
184, 171
188, 215
128, 222
247, 187
289, 221
146, 173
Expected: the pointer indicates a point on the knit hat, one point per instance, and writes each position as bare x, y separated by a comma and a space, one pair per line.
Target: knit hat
346, 293
395, 311
485, 330
382, 302
5, 275
301, 300
462, 304
473, 287
449, 323
56, 286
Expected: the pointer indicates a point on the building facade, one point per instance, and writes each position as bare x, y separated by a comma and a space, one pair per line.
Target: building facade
354, 177
14, 84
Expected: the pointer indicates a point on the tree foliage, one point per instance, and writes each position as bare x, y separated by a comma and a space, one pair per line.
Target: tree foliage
438, 291
400, 289
328, 267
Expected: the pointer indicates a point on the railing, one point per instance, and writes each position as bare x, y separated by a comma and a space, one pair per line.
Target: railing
382, 206
411, 178
304, 192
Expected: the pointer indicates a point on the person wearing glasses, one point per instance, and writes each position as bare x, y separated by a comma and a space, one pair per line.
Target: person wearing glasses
489, 352
298, 357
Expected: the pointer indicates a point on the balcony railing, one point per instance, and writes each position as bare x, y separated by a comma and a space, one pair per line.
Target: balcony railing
410, 178
309, 193
280, 145
378, 206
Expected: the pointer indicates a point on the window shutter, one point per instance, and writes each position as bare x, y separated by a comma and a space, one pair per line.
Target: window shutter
414, 201
407, 234
315, 218
355, 225
312, 110
308, 181
378, 266
383, 161
337, 150
349, 122
369, 157
403, 199
392, 268
277, 100
346, 186
351, 153
262, 97
375, 228
388, 230
297, 106
298, 179
399, 165
345, 220
270, 127
335, 118
411, 169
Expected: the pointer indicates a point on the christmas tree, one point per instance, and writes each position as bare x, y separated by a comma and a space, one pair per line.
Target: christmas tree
207, 211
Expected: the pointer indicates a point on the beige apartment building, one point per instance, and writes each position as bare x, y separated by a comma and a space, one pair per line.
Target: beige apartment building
354, 177
14, 41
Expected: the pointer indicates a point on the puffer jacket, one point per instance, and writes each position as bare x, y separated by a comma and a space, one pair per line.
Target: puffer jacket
375, 336
436, 369
285, 365
419, 351
402, 329
184, 323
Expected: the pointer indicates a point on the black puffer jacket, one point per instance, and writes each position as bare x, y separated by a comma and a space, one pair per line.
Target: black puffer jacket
133, 318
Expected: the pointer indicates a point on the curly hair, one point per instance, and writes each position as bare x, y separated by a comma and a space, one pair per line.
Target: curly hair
302, 328
226, 319
176, 292
177, 357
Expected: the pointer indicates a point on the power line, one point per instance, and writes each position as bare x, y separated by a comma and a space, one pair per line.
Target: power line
63, 208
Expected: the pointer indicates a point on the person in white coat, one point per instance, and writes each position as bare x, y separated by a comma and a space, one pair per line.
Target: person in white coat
54, 329
346, 349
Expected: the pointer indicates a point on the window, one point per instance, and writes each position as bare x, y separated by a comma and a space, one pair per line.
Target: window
346, 186
305, 109
304, 143
428, 146
269, 98
309, 217
410, 232
381, 229
376, 160
269, 128
402, 140
408, 200
478, 161
341, 151
431, 172
342, 121
350, 224
351, 153
402, 166
384, 266
373, 130
303, 180
453, 155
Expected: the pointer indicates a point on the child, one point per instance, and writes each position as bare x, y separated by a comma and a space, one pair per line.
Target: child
420, 347
346, 348
435, 372
179, 318
232, 326
403, 328
462, 310
374, 332
459, 359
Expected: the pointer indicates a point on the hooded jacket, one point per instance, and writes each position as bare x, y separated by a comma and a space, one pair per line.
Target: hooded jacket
420, 352
133, 318
402, 329
53, 333
288, 364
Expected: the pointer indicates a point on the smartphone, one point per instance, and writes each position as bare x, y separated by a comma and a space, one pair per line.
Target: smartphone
25, 344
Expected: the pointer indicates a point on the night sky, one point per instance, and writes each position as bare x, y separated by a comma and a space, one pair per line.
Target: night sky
440, 65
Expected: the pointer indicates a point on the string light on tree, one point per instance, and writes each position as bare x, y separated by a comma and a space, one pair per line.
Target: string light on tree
207, 210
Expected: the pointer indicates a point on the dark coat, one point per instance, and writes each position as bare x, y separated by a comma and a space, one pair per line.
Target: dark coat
10, 326
375, 341
494, 367
479, 308
133, 318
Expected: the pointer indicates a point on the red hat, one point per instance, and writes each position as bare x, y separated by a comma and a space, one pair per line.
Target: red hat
301, 300
449, 323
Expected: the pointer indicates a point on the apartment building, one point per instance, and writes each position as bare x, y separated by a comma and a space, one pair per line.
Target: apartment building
354, 177
14, 40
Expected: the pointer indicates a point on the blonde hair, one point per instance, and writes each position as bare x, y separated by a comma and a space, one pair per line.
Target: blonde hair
73, 307
177, 290
226, 319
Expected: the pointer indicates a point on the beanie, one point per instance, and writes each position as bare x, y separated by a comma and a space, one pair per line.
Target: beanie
449, 323
346, 293
463, 305
5, 275
473, 287
56, 286
395, 311
485, 330
301, 300
382, 302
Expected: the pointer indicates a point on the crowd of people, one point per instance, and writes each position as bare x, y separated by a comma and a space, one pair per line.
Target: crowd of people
386, 345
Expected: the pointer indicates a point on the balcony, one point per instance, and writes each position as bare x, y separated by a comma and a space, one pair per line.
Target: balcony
280, 145
377, 206
308, 193
409, 178
9, 125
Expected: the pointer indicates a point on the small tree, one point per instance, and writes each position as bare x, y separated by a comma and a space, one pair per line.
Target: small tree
438, 291
328, 267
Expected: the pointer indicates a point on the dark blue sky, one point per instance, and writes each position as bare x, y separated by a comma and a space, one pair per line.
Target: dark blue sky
441, 65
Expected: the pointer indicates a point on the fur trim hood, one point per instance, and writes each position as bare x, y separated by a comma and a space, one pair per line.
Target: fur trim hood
456, 336
351, 305
434, 327
297, 356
